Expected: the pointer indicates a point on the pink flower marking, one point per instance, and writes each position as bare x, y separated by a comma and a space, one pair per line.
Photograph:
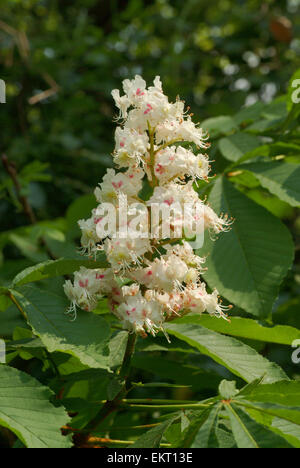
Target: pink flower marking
98, 276
160, 169
84, 284
116, 291
117, 185
169, 201
150, 108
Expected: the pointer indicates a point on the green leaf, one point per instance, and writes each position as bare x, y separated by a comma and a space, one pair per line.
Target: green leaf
117, 346
239, 358
28, 247
289, 413
152, 438
283, 393
277, 207
235, 146
86, 337
4, 302
247, 264
80, 209
246, 328
26, 410
220, 125
227, 389
275, 109
288, 430
264, 125
282, 420
249, 114
239, 428
191, 375
204, 430
53, 268
250, 434
280, 178
276, 406
9, 320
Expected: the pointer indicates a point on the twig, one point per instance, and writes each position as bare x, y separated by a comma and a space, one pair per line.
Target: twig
100, 440
54, 89
12, 172
10, 168
111, 406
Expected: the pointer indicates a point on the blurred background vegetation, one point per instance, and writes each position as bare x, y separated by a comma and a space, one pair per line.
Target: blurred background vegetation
61, 60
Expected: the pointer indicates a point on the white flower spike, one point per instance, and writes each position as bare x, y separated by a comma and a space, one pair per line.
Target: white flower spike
157, 148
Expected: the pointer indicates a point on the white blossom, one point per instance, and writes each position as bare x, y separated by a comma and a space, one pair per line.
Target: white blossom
131, 147
162, 273
181, 130
128, 183
123, 253
177, 162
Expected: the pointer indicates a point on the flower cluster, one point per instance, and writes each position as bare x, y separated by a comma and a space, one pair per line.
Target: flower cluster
150, 278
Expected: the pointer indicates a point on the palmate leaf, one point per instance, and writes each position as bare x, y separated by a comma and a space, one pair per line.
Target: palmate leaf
275, 406
280, 178
289, 413
86, 338
26, 410
235, 418
286, 393
198, 430
246, 328
152, 438
283, 420
53, 268
239, 358
247, 264
205, 429
250, 434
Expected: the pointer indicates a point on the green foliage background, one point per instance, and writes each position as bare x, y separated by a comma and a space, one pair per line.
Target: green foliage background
232, 62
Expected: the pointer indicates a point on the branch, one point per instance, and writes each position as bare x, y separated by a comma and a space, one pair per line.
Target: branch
111, 406
12, 172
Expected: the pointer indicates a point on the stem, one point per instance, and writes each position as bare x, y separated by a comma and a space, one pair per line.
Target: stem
168, 143
152, 154
124, 371
111, 406
167, 407
151, 401
12, 172
105, 429
100, 440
